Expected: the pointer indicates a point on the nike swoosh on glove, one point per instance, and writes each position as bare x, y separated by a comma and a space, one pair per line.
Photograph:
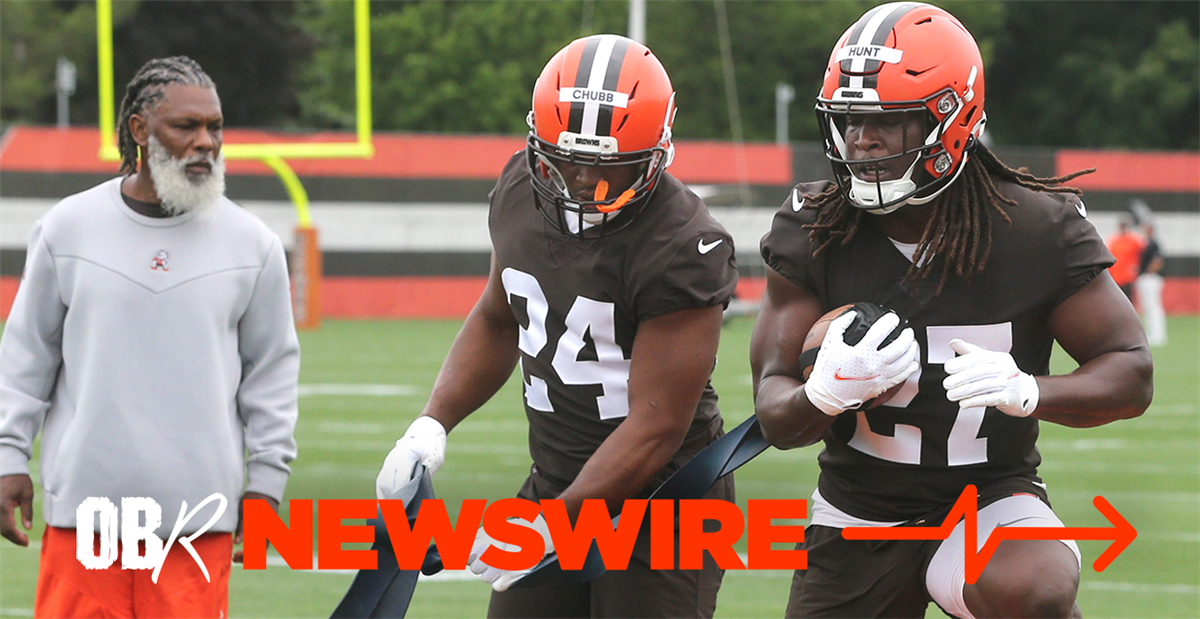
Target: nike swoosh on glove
845, 376
424, 442
981, 377
499, 579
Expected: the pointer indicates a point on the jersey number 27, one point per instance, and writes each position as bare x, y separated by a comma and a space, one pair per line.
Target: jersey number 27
964, 445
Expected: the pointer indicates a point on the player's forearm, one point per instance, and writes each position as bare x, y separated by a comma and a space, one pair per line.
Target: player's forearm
624, 464
787, 417
1113, 386
479, 363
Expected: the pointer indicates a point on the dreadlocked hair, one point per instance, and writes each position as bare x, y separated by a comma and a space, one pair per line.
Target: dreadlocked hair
145, 90
960, 230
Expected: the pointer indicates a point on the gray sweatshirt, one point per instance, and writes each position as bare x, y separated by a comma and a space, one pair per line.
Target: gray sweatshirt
159, 356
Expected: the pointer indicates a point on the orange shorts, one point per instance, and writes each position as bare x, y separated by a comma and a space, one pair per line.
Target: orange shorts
67, 589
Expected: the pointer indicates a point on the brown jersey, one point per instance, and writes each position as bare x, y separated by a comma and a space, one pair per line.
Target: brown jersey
914, 455
579, 304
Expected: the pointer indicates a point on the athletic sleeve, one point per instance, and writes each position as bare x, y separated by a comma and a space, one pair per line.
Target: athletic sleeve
267, 395
703, 273
1084, 254
30, 356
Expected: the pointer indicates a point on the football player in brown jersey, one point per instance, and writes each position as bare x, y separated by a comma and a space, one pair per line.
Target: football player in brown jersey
990, 266
607, 284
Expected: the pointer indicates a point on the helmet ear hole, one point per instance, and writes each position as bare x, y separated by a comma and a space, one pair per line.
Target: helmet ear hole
971, 114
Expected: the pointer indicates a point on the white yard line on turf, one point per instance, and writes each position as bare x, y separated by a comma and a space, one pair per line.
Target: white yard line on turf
1094, 444
1137, 587
1171, 409
342, 471
1145, 468
1131, 496
350, 427
1187, 538
465, 576
443, 576
317, 389
385, 443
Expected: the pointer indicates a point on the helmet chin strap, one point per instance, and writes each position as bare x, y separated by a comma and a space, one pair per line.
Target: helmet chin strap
868, 193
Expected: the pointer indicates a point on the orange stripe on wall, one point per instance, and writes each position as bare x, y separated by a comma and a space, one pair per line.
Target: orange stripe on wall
453, 297
718, 162
1181, 295
8, 291
43, 149
751, 288
400, 297
366, 297
1130, 171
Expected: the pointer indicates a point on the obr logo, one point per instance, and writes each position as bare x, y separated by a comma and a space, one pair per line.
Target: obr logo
132, 532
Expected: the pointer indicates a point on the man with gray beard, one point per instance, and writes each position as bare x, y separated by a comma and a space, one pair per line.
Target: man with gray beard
152, 340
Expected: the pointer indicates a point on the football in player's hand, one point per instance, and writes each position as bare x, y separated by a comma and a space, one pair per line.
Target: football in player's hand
866, 315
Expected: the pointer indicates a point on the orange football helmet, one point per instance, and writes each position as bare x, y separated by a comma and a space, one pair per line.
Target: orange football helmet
602, 100
904, 57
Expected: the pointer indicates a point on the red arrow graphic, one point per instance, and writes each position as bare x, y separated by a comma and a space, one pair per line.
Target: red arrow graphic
1122, 533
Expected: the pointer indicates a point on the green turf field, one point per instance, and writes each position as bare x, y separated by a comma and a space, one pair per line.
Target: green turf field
1148, 468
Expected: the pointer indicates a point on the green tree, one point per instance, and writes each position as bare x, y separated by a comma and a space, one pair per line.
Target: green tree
441, 66
771, 42
1158, 96
1097, 74
251, 49
1086, 74
33, 36
470, 66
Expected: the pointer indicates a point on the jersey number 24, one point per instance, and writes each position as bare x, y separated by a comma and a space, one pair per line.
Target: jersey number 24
586, 316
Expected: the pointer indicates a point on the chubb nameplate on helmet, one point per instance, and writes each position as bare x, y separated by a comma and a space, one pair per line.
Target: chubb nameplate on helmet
589, 95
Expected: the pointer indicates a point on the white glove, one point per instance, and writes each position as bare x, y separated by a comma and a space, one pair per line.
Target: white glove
845, 376
424, 442
498, 578
981, 377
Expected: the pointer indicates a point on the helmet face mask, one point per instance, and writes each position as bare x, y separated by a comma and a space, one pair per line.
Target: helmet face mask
605, 102
610, 209
909, 58
864, 180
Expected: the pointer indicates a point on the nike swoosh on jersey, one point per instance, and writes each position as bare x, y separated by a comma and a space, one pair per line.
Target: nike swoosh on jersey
1012, 522
838, 376
1082, 209
704, 249
797, 204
